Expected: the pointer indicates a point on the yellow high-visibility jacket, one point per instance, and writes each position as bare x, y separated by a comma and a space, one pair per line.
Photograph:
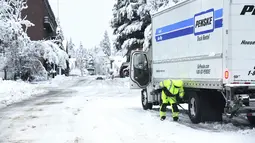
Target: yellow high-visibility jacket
174, 87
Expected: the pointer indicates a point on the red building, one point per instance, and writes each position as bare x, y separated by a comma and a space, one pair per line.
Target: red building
39, 12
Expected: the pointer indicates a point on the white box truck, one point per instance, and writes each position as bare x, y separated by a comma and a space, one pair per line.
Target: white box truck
210, 45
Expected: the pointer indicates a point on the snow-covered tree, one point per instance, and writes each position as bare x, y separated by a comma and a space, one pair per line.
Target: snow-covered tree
23, 57
130, 18
155, 6
100, 60
81, 57
71, 48
113, 51
105, 44
60, 35
44, 50
14, 39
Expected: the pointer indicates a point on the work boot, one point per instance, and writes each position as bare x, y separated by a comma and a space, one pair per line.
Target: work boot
163, 118
175, 118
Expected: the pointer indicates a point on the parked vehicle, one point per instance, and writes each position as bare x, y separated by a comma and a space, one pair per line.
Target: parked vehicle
124, 70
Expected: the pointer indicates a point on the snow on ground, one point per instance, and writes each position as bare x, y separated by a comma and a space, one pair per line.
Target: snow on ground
76, 72
15, 91
85, 110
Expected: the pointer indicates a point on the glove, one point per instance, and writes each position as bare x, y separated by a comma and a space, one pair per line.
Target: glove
178, 99
153, 92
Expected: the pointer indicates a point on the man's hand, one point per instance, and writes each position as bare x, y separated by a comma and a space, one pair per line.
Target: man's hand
153, 92
156, 91
178, 99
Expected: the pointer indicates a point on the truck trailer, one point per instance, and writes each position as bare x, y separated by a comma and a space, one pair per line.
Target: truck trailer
210, 45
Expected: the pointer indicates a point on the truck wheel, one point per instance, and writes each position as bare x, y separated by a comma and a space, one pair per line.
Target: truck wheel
144, 99
212, 106
194, 108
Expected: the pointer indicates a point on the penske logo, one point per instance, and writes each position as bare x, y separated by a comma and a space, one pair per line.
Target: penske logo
204, 22
248, 9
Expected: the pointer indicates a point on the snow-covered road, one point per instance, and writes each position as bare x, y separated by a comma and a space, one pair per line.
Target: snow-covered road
84, 110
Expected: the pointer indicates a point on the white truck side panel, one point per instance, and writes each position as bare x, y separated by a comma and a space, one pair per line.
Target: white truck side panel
242, 41
189, 70
185, 47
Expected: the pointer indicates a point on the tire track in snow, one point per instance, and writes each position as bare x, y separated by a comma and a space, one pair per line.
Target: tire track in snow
208, 127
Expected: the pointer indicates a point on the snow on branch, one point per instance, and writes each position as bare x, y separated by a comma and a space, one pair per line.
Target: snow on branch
129, 42
131, 10
122, 27
133, 27
167, 5
147, 38
49, 51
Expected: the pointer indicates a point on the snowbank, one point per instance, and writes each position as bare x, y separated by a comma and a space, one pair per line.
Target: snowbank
76, 72
15, 91
59, 81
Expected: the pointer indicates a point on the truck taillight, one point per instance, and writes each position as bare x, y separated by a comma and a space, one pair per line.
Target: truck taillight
226, 74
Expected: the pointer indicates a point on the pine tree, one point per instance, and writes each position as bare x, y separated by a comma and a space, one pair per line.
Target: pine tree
60, 35
71, 48
130, 18
81, 57
154, 6
105, 44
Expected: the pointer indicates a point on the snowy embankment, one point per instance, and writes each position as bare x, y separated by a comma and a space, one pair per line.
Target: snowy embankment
16, 91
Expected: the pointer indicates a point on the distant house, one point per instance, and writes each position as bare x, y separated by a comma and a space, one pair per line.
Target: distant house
39, 12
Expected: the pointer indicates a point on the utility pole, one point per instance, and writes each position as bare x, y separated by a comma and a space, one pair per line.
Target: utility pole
58, 7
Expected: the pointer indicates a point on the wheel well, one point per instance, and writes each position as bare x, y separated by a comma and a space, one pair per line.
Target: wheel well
211, 104
212, 95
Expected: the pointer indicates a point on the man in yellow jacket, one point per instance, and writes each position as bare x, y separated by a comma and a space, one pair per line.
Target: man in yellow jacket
171, 91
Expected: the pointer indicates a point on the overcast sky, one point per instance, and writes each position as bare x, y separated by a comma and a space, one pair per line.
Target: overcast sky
84, 20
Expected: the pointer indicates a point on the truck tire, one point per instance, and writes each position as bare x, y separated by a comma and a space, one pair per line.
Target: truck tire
194, 108
205, 106
212, 106
144, 99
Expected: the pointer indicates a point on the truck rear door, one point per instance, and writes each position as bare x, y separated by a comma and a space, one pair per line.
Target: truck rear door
241, 48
